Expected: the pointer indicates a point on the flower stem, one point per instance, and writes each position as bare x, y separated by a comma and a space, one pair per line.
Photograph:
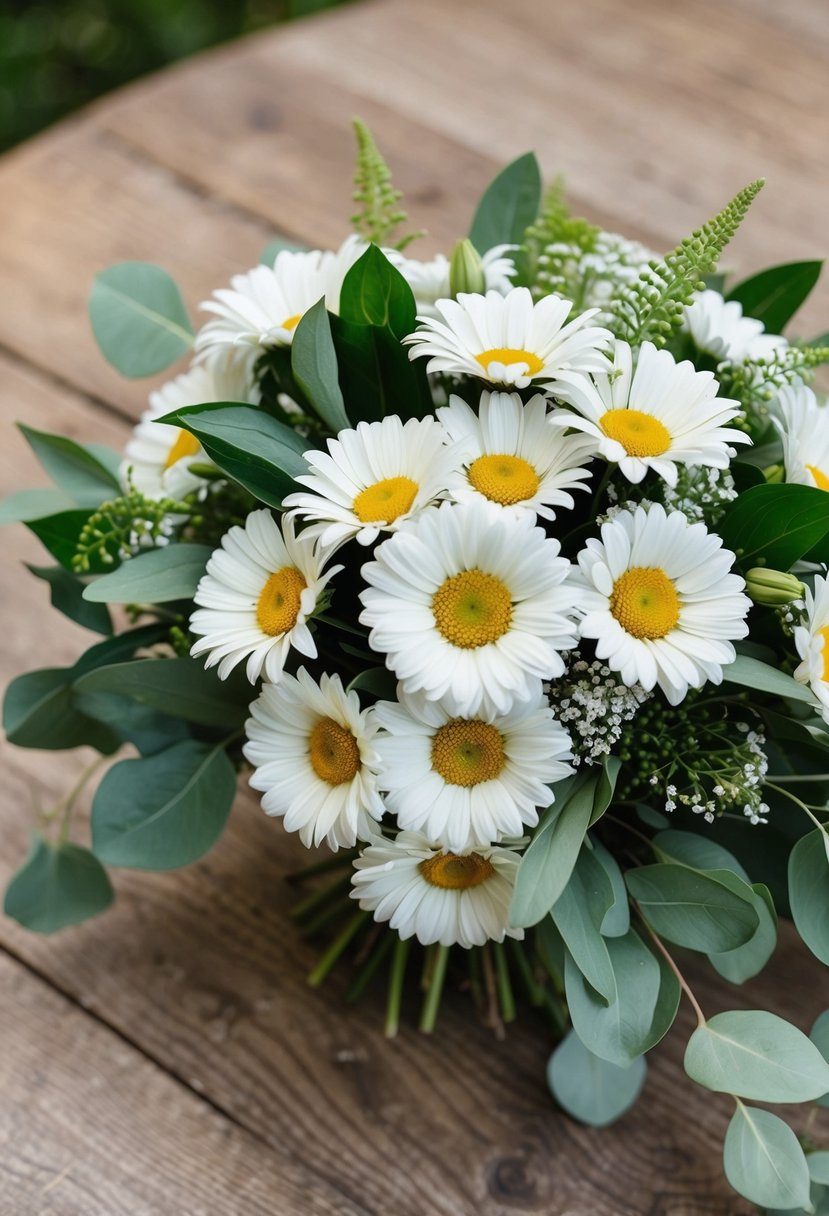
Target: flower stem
505, 993
336, 948
370, 968
317, 899
66, 805
683, 983
396, 978
798, 802
431, 1004
335, 862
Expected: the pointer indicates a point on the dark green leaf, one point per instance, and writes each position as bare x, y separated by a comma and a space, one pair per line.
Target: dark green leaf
180, 687
375, 293
378, 681
377, 376
39, 711
314, 367
59, 534
775, 524
155, 577
509, 205
589, 1088
67, 595
138, 318
693, 908
75, 470
809, 892
773, 296
57, 887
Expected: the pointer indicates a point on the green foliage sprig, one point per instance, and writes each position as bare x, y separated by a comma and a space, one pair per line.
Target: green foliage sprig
122, 525
378, 200
755, 381
554, 241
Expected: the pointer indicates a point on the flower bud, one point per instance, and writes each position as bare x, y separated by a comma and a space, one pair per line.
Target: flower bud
466, 270
772, 587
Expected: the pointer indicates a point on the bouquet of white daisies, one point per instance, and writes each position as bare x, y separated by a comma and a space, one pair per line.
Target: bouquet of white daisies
501, 576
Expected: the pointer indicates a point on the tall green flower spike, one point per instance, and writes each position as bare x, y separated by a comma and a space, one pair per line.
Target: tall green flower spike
553, 242
379, 213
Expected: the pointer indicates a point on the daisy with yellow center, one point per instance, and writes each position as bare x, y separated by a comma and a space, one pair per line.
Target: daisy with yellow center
255, 599
508, 339
435, 894
812, 642
466, 781
158, 457
655, 415
315, 760
663, 604
512, 456
373, 478
803, 422
470, 605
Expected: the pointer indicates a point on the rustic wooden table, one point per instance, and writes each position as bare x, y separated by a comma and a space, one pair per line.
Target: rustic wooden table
168, 1059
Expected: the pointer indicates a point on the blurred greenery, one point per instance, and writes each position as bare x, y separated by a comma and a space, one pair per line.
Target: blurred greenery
55, 55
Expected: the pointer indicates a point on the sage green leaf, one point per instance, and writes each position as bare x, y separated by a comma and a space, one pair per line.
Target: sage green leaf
273, 249
181, 688
66, 591
155, 577
509, 205
39, 711
819, 1034
314, 367
603, 796
749, 960
138, 318
375, 293
757, 1055
764, 1161
818, 1167
773, 296
809, 892
578, 914
28, 505
76, 470
591, 1089
692, 908
57, 886
263, 455
751, 673
163, 811
775, 525
818, 1206
549, 860
617, 918
695, 850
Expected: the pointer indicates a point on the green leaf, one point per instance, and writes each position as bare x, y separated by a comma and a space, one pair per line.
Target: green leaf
579, 913
59, 534
248, 444
764, 1161
155, 577
756, 1055
549, 860
773, 296
751, 673
378, 681
589, 1088
647, 998
138, 318
28, 505
57, 887
66, 591
603, 796
819, 1034
509, 205
775, 524
617, 918
375, 293
164, 811
692, 908
377, 377
749, 960
273, 249
809, 892
819, 1167
39, 711
314, 367
74, 469
697, 851
182, 688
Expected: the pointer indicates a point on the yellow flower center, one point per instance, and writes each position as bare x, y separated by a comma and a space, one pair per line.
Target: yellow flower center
645, 602
504, 479
383, 502
185, 444
277, 608
821, 480
472, 609
824, 633
452, 872
467, 752
639, 434
333, 752
292, 322
509, 355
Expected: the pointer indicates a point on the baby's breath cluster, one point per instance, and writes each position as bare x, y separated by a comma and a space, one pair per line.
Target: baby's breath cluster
596, 708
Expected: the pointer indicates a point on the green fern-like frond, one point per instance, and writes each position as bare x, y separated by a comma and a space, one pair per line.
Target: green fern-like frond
379, 213
652, 307
555, 244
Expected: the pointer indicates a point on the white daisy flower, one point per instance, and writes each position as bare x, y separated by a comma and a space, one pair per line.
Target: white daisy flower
508, 339
263, 307
429, 281
666, 607
255, 599
315, 759
656, 416
435, 895
158, 457
513, 456
472, 605
719, 329
812, 642
466, 781
373, 478
804, 427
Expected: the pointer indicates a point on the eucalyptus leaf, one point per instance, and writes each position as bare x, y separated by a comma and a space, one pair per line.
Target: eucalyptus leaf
773, 296
764, 1161
549, 860
756, 1055
28, 505
591, 1089
818, 1167
57, 886
617, 918
751, 673
509, 205
775, 525
76, 470
138, 318
809, 892
749, 959
692, 908
697, 851
273, 249
579, 913
819, 1034
156, 577
39, 711
180, 687
314, 367
66, 591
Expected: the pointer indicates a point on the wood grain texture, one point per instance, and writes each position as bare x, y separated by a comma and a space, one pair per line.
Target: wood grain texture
287, 1101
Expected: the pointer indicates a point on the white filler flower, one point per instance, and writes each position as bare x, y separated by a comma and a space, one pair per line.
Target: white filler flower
804, 426
719, 328
432, 894
373, 478
513, 456
313, 749
659, 415
812, 642
667, 607
255, 599
429, 281
158, 457
472, 605
468, 781
508, 339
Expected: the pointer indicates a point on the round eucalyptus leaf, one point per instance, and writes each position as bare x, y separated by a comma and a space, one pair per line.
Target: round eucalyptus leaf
138, 318
764, 1161
57, 886
755, 1054
809, 892
589, 1088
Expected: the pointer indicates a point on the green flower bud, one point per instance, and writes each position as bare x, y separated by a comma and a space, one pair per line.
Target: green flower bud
774, 474
466, 270
772, 587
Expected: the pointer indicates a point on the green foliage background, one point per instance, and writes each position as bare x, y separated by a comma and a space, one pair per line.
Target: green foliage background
56, 55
